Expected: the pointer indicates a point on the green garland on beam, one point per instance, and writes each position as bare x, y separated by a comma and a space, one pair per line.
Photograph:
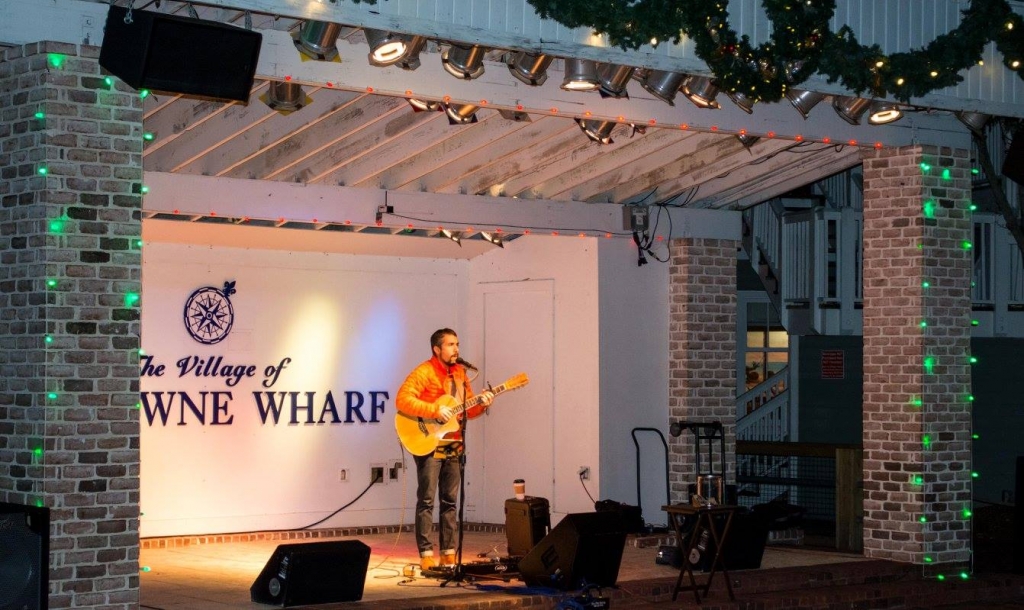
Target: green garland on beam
801, 43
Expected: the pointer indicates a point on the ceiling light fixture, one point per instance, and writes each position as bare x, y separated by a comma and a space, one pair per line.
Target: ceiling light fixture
975, 121
882, 113
284, 96
701, 90
531, 68
455, 236
424, 105
413, 46
850, 109
386, 48
597, 131
614, 79
493, 238
580, 75
464, 62
663, 85
747, 140
742, 101
316, 40
803, 101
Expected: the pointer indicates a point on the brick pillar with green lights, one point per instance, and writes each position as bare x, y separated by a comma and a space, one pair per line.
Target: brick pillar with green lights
917, 361
702, 355
70, 229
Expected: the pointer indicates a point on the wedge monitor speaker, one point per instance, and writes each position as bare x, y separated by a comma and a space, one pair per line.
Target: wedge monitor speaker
582, 548
179, 54
24, 556
313, 573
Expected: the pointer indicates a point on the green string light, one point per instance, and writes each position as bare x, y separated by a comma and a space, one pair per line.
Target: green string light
924, 323
974, 474
138, 243
51, 396
975, 322
964, 575
926, 284
929, 365
923, 519
970, 398
916, 401
131, 298
40, 115
51, 283
109, 82
967, 245
42, 171
975, 171
918, 480
144, 189
929, 208
967, 513
925, 167
946, 174
941, 577
926, 441
148, 136
56, 60
975, 437
928, 559
973, 360
143, 93
49, 339
38, 451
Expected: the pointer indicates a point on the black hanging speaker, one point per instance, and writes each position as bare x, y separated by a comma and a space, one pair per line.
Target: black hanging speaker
1013, 165
582, 548
24, 556
313, 573
180, 54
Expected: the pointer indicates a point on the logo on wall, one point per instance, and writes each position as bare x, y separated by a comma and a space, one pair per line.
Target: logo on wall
209, 314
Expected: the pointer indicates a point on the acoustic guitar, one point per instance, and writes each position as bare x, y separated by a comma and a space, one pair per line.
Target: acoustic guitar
421, 436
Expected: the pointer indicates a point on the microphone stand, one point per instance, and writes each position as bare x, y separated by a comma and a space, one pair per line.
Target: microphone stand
459, 572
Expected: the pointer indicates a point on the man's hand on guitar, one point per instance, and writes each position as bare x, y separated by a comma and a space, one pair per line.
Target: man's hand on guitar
486, 398
445, 413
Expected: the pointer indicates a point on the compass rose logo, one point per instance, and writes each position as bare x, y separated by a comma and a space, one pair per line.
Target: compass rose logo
209, 314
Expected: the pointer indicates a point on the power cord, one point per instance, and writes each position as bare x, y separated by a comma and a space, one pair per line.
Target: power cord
585, 488
363, 493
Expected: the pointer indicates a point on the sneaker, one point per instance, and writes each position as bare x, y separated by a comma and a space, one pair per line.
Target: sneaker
427, 562
448, 559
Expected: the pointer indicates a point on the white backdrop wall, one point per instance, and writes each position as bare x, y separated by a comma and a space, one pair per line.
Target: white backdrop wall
348, 323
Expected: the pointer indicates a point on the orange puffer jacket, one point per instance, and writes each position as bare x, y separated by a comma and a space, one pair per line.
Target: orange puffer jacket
428, 382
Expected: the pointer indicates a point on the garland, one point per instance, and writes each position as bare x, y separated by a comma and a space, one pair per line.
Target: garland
800, 45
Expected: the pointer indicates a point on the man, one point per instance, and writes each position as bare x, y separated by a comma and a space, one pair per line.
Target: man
438, 471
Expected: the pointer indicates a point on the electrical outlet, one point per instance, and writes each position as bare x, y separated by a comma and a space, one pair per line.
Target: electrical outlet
343, 474
585, 473
377, 473
395, 470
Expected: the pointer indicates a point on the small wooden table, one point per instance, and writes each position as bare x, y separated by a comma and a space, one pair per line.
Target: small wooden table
707, 517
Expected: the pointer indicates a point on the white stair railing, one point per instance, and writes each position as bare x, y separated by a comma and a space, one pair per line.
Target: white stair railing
762, 413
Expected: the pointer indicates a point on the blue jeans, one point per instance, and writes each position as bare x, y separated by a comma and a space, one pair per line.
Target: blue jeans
433, 475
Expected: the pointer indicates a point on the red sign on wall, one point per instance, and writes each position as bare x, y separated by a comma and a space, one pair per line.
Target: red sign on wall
833, 364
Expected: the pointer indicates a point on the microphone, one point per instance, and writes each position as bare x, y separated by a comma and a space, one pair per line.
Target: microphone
466, 364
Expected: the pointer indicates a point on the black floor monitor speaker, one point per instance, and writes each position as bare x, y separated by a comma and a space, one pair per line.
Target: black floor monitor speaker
313, 573
1013, 165
180, 54
24, 556
584, 548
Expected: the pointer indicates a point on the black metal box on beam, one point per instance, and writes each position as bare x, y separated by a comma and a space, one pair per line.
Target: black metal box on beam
180, 55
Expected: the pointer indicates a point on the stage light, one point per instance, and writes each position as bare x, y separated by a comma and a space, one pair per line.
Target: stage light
461, 114
531, 68
803, 101
580, 75
463, 62
744, 103
424, 105
882, 113
515, 115
663, 85
975, 121
413, 46
317, 39
614, 79
597, 131
701, 90
455, 236
492, 238
850, 109
747, 140
386, 48
284, 96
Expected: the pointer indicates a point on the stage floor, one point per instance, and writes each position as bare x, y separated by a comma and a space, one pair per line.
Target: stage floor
217, 575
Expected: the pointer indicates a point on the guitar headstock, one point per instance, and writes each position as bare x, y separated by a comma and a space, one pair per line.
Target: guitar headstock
516, 381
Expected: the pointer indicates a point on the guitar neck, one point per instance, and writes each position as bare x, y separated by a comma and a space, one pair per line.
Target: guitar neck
472, 402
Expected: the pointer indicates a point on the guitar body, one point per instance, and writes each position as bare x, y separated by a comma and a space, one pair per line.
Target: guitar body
421, 436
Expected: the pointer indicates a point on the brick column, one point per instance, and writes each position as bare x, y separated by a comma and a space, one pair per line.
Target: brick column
917, 306
69, 329
702, 351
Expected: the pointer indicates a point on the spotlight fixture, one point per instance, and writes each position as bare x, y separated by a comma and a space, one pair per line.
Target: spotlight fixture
701, 90
747, 140
614, 79
850, 109
455, 236
884, 112
531, 68
663, 85
597, 131
386, 48
975, 121
580, 75
744, 103
424, 105
284, 96
413, 46
515, 115
493, 238
461, 114
803, 101
464, 62
316, 40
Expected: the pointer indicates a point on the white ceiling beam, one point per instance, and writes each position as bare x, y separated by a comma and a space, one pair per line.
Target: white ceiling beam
201, 196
